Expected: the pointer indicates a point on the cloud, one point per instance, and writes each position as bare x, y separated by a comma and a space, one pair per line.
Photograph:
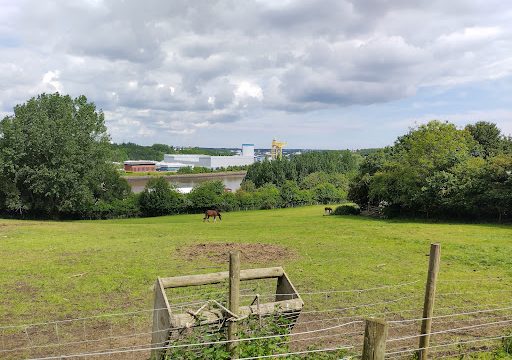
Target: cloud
224, 61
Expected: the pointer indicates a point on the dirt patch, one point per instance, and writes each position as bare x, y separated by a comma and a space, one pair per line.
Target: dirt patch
24, 288
249, 253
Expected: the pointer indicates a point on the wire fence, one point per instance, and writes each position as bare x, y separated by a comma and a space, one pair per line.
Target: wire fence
468, 320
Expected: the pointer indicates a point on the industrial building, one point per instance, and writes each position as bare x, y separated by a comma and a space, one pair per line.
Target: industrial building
140, 165
214, 162
150, 166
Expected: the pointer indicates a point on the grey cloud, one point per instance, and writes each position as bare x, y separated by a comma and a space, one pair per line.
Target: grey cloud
181, 62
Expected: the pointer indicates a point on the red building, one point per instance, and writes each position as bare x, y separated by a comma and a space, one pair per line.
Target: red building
139, 166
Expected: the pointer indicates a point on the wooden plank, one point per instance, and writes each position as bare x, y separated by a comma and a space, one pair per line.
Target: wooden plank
430, 295
234, 301
214, 278
161, 320
375, 335
214, 315
285, 289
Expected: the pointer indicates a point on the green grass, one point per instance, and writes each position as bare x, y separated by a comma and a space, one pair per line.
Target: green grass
56, 270
89, 267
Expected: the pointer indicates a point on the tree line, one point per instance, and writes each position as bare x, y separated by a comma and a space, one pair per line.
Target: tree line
438, 170
130, 151
56, 162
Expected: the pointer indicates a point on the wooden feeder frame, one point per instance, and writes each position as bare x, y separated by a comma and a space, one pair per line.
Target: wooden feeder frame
287, 300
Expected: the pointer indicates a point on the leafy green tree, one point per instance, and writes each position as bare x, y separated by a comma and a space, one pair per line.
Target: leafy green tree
229, 202
207, 195
497, 180
489, 136
158, 198
359, 190
268, 197
327, 193
247, 200
290, 194
416, 157
55, 154
300, 166
248, 185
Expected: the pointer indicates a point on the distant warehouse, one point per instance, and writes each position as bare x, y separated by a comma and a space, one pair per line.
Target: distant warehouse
214, 162
150, 165
139, 165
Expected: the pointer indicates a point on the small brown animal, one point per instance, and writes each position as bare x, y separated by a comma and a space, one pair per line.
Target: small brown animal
328, 211
211, 213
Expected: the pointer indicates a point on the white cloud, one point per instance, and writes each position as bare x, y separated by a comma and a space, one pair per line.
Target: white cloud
51, 82
220, 62
246, 90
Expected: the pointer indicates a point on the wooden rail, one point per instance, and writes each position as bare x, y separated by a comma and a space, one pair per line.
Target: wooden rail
214, 278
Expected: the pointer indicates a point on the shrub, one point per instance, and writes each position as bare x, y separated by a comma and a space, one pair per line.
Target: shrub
229, 202
268, 197
207, 195
347, 209
326, 193
117, 208
159, 199
247, 200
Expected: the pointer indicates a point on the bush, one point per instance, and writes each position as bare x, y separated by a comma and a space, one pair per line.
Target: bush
267, 197
117, 208
207, 195
247, 200
229, 202
347, 209
159, 199
326, 193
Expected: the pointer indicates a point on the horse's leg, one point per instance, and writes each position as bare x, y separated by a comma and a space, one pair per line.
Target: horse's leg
214, 218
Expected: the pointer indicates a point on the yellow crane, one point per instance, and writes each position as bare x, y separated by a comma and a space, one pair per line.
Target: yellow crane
277, 149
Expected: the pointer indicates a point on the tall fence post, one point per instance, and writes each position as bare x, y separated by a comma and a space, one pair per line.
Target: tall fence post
375, 335
428, 305
234, 301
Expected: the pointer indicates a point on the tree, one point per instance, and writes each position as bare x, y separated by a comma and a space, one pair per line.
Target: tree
489, 136
327, 193
497, 189
55, 154
158, 198
415, 168
268, 197
207, 195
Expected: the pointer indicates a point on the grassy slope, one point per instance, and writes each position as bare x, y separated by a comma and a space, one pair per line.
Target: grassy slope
120, 259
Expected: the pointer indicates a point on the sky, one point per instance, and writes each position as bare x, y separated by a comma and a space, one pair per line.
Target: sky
330, 74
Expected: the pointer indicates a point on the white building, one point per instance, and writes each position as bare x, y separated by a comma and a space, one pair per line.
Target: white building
170, 166
214, 162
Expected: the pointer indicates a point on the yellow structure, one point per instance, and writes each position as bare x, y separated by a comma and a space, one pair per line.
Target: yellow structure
277, 149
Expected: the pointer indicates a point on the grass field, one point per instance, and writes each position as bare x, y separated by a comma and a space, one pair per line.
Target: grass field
55, 270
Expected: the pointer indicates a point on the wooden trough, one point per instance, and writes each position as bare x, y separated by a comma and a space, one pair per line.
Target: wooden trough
286, 301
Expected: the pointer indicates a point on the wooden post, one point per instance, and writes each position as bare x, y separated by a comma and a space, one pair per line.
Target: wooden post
375, 335
161, 321
430, 294
234, 301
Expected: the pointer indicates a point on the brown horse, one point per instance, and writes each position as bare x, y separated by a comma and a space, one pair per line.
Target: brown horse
214, 213
327, 211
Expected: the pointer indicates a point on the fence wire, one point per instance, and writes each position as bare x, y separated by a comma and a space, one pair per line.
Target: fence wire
331, 323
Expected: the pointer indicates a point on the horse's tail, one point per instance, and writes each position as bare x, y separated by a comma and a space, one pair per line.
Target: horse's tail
220, 217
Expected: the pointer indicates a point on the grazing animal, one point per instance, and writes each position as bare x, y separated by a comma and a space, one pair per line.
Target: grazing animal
210, 213
328, 211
